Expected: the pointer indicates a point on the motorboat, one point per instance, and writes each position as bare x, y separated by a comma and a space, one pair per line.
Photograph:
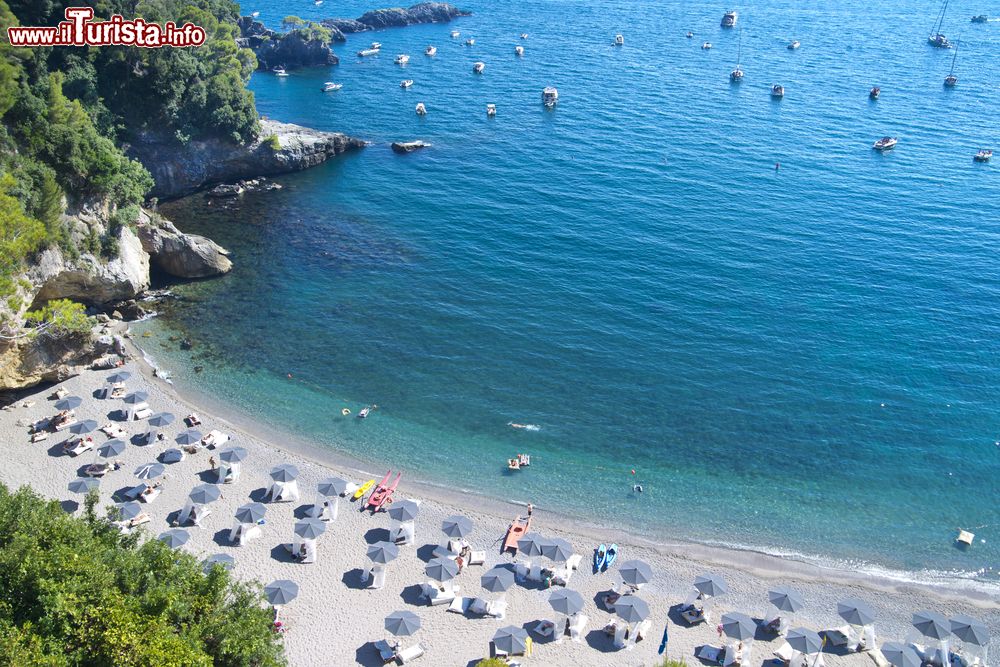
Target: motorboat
421, 109
365, 411
519, 50
794, 44
279, 71
368, 52
330, 85
689, 35
729, 19
982, 18
430, 51
619, 40
524, 35
255, 14
736, 75
455, 33
478, 67
491, 110
777, 90
936, 37
470, 42
951, 79
885, 143
983, 155
874, 93
376, 45
706, 45
550, 96
406, 83
402, 59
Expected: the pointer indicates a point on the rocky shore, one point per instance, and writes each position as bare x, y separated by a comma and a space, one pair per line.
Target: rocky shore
424, 12
289, 50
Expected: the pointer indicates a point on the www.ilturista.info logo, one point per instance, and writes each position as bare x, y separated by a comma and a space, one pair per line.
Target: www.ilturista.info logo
80, 30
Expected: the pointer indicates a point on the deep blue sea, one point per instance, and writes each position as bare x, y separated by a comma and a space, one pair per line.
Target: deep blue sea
804, 361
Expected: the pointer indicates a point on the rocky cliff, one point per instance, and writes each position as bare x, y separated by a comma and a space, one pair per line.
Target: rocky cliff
290, 50
183, 169
425, 12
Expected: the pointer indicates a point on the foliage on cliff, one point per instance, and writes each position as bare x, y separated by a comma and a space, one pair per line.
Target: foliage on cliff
73, 591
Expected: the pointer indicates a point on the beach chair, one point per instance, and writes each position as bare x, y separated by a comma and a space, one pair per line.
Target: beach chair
402, 534
783, 655
215, 439
709, 654
138, 520
96, 469
78, 446
544, 628
838, 636
38, 436
64, 424
693, 615
577, 626
192, 420
496, 608
477, 558
436, 595
60, 393
386, 651
460, 605
149, 494
411, 653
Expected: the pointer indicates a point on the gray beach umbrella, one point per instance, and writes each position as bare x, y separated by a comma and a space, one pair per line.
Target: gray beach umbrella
402, 623
969, 630
284, 472
711, 585
111, 448
281, 591
233, 454
175, 537
119, 377
172, 455
456, 526
441, 569
738, 626
497, 580
250, 513
84, 484
149, 470
900, 655
310, 529
129, 510
557, 550
188, 437
632, 609
383, 552
804, 640
404, 511
84, 427
332, 486
161, 419
225, 560
511, 640
531, 545
566, 601
635, 572
68, 403
931, 624
786, 599
855, 612
204, 494
136, 397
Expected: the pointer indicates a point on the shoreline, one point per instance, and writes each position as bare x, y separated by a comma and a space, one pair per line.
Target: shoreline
752, 560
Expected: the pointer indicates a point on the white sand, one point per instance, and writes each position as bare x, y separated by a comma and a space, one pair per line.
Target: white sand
334, 620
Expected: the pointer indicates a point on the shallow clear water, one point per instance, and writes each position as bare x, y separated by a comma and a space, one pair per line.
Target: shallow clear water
802, 361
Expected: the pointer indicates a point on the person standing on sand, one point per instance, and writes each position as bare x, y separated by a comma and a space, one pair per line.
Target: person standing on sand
211, 462
531, 508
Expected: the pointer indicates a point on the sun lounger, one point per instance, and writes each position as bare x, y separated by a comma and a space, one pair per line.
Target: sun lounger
142, 413
63, 425
243, 533
402, 534
693, 615
78, 446
215, 439
137, 520
709, 654
436, 595
544, 628
113, 430
118, 391
410, 654
838, 636
149, 494
38, 436
573, 562
477, 558
577, 625
96, 469
460, 605
784, 653
60, 393
386, 651
192, 420
478, 607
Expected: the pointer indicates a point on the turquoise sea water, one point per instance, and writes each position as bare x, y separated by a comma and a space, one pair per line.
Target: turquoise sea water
803, 361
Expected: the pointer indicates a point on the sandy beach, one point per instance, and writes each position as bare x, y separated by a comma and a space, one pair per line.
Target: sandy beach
335, 618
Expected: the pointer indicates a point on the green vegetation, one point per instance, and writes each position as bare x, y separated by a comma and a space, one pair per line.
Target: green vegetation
491, 662
274, 142
671, 662
61, 318
73, 591
309, 30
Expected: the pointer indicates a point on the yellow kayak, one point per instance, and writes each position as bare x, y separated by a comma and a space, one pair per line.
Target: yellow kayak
363, 489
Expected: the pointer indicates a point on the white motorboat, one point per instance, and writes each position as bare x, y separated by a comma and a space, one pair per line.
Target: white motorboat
376, 45
279, 71
524, 35
689, 34
874, 93
519, 50
550, 96
729, 19
255, 14
478, 67
406, 83
619, 40
421, 109
455, 33
402, 59
706, 45
885, 143
330, 85
983, 155
491, 110
470, 42
368, 52
777, 90
794, 44
430, 51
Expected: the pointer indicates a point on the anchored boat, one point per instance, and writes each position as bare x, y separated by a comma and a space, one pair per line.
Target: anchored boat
885, 143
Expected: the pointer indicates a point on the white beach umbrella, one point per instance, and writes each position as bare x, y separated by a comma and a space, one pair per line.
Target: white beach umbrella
932, 625
83, 427
204, 494
111, 448
161, 420
188, 437
129, 510
635, 572
511, 639
332, 487
119, 377
632, 609
566, 601
310, 529
383, 552
497, 580
404, 511
856, 612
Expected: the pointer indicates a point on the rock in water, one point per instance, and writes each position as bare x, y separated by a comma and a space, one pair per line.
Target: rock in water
408, 146
182, 255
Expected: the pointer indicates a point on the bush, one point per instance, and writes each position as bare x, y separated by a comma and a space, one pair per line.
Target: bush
61, 318
274, 142
491, 662
671, 662
73, 591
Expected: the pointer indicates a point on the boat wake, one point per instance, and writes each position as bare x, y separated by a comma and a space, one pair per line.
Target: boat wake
525, 427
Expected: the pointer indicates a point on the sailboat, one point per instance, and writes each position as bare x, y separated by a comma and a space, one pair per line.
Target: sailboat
951, 79
936, 38
737, 74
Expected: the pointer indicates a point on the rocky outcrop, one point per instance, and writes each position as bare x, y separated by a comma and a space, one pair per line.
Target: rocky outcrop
183, 169
182, 255
33, 360
425, 12
290, 50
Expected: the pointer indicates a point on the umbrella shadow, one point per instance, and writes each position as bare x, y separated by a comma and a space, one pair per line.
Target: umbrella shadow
118, 415
282, 554
368, 656
302, 511
762, 634
377, 535
259, 495
172, 519
98, 394
412, 595
536, 637
208, 476
426, 552
674, 614
354, 580
82, 470
830, 647
599, 641
139, 440
120, 493
56, 449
